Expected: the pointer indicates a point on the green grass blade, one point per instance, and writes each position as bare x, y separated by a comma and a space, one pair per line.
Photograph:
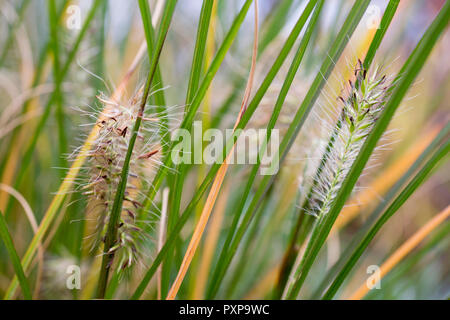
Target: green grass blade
408, 74
248, 246
215, 64
111, 233
177, 178
158, 96
62, 139
199, 50
7, 240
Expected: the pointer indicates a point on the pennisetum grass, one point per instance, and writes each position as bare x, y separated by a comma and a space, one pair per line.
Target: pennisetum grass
408, 73
113, 222
125, 211
105, 161
360, 104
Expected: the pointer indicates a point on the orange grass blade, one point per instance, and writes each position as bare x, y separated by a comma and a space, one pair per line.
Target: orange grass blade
212, 196
162, 235
405, 249
210, 245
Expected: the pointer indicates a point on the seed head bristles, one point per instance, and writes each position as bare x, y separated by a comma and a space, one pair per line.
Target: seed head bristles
105, 161
360, 104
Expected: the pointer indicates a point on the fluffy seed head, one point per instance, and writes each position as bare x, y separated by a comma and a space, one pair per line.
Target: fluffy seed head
360, 104
106, 160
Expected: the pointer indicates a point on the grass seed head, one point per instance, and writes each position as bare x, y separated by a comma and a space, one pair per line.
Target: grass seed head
106, 160
360, 104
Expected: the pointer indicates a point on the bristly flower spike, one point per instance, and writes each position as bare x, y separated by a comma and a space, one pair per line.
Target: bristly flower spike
105, 165
360, 108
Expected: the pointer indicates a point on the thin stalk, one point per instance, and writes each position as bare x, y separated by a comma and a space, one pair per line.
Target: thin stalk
111, 233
